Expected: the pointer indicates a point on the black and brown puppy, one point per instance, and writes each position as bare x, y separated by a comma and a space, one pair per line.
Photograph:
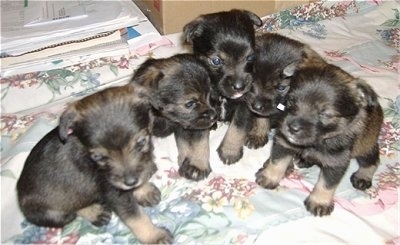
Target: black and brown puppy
178, 88
277, 58
331, 117
99, 159
225, 42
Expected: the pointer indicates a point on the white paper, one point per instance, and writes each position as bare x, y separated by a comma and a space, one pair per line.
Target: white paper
102, 16
42, 12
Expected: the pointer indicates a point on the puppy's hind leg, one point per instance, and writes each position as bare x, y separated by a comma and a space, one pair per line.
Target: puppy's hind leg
98, 214
43, 216
193, 153
362, 178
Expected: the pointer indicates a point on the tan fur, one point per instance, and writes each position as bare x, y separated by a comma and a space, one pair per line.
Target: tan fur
197, 150
92, 212
145, 230
233, 142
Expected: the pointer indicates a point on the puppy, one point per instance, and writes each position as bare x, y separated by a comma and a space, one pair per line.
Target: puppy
331, 117
178, 89
225, 42
277, 57
99, 159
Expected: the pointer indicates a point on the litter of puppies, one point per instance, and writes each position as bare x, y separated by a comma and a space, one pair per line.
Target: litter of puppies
101, 153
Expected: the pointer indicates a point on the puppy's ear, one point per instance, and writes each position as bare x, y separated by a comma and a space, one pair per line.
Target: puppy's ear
290, 69
67, 120
148, 76
252, 16
193, 29
366, 93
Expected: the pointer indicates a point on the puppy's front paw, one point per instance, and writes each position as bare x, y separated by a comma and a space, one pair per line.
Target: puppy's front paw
98, 214
147, 194
229, 155
161, 236
360, 183
256, 141
103, 217
318, 209
264, 181
192, 172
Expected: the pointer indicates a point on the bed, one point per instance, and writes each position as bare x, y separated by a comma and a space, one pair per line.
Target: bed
362, 37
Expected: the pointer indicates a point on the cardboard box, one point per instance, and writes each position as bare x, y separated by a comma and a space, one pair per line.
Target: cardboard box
169, 16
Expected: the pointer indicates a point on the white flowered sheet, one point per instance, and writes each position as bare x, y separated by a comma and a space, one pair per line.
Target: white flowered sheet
362, 37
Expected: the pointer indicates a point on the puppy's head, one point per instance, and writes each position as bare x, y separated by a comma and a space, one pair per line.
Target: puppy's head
114, 127
323, 103
178, 88
225, 42
277, 58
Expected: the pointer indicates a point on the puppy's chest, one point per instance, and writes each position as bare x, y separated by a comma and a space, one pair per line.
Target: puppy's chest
225, 108
325, 158
320, 155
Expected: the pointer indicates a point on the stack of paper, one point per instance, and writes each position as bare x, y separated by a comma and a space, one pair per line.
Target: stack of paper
37, 35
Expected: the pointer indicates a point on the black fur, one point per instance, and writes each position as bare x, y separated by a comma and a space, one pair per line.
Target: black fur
178, 89
331, 117
93, 163
225, 42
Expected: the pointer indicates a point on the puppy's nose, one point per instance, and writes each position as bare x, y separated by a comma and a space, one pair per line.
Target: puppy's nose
130, 180
238, 86
212, 114
295, 126
258, 105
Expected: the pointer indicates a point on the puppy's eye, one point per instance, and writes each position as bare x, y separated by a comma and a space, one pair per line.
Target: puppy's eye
251, 58
216, 61
190, 104
98, 157
282, 88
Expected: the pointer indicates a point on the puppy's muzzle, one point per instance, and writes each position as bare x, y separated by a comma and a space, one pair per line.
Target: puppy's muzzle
299, 131
210, 114
205, 120
241, 86
262, 107
234, 87
131, 181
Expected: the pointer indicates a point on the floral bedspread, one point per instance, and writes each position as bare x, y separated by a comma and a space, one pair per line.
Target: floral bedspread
362, 37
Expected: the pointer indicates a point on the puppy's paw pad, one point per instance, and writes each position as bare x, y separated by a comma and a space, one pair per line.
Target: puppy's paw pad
150, 196
229, 156
360, 183
263, 181
256, 141
103, 218
189, 171
318, 209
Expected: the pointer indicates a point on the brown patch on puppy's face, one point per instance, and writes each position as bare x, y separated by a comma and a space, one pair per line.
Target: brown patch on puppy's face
114, 126
179, 89
277, 58
225, 42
